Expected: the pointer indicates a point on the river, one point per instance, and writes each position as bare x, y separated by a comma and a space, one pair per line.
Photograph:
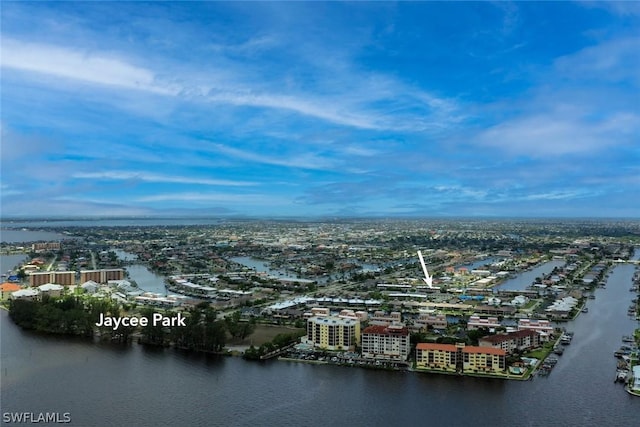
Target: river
104, 384
25, 236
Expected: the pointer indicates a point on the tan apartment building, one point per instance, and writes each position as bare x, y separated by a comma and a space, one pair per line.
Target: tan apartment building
65, 278
39, 278
45, 246
101, 276
436, 321
333, 333
512, 341
460, 358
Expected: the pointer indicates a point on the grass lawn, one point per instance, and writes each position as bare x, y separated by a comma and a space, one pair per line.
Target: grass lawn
542, 352
265, 333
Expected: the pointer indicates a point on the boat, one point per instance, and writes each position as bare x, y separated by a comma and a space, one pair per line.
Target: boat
585, 310
627, 338
621, 375
558, 350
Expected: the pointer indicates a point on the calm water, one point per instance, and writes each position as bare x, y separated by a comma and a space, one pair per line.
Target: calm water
25, 236
477, 264
146, 279
111, 222
259, 266
9, 262
111, 385
526, 278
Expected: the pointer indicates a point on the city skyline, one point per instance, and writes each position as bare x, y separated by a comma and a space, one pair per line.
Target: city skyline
520, 109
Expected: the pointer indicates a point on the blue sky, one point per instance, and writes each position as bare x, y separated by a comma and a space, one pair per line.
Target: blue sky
321, 109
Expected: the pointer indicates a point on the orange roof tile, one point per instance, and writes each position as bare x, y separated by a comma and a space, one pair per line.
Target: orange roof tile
10, 287
434, 346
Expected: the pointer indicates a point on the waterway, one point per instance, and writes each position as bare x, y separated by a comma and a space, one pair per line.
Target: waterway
26, 236
260, 266
526, 278
110, 222
9, 262
146, 280
477, 264
108, 384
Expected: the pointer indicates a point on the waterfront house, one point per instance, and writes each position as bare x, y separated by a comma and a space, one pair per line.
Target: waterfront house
543, 327
6, 289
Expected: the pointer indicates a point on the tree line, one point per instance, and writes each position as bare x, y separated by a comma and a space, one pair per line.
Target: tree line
73, 315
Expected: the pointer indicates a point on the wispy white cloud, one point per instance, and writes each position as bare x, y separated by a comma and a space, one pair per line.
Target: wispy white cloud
216, 198
79, 65
7, 190
384, 113
151, 177
555, 134
375, 102
624, 8
615, 60
585, 103
558, 195
302, 161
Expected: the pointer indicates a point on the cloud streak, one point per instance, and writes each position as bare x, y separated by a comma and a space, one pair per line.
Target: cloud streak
314, 109
156, 178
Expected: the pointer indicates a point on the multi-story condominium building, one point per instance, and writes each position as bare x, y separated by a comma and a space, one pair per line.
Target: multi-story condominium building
476, 322
333, 333
512, 341
45, 246
543, 327
504, 310
65, 278
484, 359
320, 311
101, 276
436, 321
386, 342
39, 278
379, 317
460, 358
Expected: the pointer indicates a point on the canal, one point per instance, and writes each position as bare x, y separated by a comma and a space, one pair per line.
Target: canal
526, 278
